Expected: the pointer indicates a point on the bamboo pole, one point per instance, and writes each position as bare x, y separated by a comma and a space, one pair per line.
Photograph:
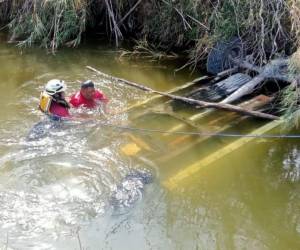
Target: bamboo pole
199, 103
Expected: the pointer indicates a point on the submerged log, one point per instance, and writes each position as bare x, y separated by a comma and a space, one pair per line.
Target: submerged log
202, 104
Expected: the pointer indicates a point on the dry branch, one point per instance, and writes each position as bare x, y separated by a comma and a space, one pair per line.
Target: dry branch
129, 12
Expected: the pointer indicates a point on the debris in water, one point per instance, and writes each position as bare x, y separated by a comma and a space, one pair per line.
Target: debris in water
130, 190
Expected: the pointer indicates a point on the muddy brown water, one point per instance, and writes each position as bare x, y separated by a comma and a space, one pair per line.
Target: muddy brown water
55, 192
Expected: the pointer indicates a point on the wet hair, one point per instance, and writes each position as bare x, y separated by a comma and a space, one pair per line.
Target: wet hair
87, 84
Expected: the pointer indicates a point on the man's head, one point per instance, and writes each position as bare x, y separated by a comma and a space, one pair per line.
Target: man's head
88, 89
55, 87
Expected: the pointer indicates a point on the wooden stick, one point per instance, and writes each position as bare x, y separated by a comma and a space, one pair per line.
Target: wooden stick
198, 22
203, 104
129, 12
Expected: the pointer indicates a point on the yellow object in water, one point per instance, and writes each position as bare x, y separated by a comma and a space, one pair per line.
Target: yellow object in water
139, 142
45, 102
130, 149
189, 171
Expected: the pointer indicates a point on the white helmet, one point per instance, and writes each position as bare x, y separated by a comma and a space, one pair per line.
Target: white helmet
55, 86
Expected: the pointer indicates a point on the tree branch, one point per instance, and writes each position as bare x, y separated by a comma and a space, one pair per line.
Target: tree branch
202, 104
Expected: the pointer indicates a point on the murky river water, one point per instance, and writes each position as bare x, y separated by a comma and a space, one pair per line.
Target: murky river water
56, 191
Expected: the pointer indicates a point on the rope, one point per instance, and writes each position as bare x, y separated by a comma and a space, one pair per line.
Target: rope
203, 134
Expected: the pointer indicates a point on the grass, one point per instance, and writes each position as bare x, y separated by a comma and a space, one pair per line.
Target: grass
290, 97
267, 26
49, 24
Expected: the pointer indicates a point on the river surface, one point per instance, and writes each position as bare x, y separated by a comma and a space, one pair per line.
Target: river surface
56, 191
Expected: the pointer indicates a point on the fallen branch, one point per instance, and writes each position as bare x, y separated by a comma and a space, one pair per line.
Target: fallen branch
129, 12
202, 104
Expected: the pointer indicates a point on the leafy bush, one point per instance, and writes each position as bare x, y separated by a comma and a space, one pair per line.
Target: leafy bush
267, 27
48, 23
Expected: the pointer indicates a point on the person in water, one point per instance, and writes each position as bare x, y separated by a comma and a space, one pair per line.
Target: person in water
88, 97
53, 100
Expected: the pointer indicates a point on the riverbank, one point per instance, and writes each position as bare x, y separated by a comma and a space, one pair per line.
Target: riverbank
161, 29
268, 27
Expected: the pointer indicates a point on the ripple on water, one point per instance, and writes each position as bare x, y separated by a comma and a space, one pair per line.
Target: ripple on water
291, 165
58, 180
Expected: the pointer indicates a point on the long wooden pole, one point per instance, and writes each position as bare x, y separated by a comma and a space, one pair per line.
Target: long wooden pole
203, 104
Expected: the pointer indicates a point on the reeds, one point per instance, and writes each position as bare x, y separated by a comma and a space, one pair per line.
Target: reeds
49, 24
267, 27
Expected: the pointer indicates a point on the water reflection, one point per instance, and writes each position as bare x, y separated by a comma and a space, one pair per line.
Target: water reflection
291, 165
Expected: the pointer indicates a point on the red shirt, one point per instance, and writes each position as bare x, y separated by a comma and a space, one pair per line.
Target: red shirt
59, 110
78, 100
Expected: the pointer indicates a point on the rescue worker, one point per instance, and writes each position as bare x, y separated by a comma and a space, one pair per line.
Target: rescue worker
88, 97
52, 101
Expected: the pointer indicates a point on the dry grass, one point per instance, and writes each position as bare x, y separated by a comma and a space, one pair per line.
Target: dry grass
268, 27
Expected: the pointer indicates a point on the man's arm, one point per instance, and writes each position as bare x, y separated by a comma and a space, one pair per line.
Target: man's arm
74, 101
103, 101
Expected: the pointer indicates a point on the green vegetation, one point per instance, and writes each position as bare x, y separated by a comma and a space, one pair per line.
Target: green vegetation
267, 26
290, 96
161, 28
50, 24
